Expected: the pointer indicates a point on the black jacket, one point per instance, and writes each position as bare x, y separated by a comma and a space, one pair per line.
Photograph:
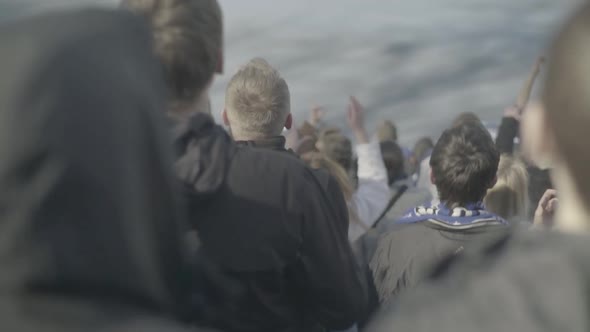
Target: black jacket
407, 254
507, 132
91, 227
277, 231
530, 282
328, 182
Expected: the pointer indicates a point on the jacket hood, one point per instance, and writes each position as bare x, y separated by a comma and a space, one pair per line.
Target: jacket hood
87, 195
204, 152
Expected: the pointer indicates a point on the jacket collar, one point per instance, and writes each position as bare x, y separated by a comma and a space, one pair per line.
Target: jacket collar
276, 143
473, 215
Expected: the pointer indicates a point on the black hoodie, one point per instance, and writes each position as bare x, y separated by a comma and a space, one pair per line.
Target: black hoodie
90, 232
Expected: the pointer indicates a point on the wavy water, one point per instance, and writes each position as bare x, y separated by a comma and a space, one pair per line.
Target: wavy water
416, 62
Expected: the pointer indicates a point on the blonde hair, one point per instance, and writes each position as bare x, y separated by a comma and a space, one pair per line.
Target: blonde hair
509, 197
257, 100
320, 161
387, 131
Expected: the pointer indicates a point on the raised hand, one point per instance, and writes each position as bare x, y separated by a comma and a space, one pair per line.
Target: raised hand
356, 120
513, 112
527, 87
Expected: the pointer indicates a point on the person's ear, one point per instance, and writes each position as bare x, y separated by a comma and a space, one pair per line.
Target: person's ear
289, 121
538, 142
225, 118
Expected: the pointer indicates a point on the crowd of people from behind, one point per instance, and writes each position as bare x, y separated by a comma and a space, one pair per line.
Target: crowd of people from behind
125, 207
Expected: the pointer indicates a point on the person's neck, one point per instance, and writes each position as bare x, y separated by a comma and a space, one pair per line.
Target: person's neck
240, 136
572, 213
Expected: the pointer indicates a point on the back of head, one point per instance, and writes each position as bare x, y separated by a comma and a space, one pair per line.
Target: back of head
566, 98
188, 41
421, 151
87, 195
465, 118
337, 147
509, 197
422, 148
257, 101
393, 157
387, 131
464, 163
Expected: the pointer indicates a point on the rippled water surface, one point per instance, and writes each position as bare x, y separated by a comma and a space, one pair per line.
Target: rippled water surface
417, 62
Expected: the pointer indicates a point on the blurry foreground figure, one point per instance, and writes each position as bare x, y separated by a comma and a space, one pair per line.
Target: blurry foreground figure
532, 281
92, 233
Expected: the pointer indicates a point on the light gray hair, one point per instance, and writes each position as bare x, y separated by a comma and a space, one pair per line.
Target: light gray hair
257, 100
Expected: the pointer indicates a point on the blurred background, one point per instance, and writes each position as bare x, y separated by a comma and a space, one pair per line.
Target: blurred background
416, 62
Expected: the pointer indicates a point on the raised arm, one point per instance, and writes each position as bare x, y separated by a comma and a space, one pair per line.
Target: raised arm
373, 193
508, 129
356, 121
527, 87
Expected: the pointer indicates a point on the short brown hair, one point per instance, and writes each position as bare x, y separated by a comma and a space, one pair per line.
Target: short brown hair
188, 38
464, 163
566, 97
466, 117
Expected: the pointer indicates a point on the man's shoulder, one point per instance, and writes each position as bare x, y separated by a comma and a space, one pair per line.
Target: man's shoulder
404, 256
404, 243
275, 163
407, 235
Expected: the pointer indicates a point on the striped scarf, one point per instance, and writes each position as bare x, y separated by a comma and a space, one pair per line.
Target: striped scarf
472, 215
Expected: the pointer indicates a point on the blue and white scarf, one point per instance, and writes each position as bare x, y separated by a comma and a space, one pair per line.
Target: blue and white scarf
470, 216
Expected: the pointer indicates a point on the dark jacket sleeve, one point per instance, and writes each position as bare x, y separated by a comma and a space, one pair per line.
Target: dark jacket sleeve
506, 133
334, 293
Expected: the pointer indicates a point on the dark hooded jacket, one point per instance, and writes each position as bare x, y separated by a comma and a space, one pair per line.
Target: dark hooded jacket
272, 230
91, 232
327, 182
422, 239
524, 281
